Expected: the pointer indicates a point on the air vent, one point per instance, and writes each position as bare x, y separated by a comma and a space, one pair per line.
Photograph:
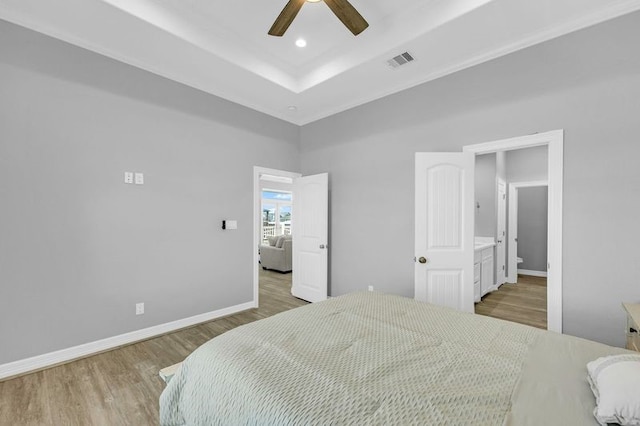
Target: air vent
399, 60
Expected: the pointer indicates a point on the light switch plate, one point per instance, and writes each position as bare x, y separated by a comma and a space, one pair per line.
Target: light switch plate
232, 224
139, 179
128, 177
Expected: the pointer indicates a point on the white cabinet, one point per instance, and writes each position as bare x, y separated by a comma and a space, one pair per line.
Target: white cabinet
486, 274
477, 264
483, 279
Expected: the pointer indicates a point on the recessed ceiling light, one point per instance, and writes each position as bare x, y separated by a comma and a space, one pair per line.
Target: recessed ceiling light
301, 42
292, 108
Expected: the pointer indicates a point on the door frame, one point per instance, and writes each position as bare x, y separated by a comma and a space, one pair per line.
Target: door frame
505, 208
512, 253
257, 217
554, 140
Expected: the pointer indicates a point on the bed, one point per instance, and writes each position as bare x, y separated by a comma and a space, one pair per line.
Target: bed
373, 359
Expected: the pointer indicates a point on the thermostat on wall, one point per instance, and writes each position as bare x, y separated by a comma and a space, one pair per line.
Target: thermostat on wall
229, 224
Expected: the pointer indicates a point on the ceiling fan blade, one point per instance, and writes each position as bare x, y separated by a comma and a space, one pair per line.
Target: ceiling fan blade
286, 17
348, 15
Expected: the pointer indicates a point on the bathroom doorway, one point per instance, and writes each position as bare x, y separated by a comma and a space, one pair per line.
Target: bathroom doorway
535, 299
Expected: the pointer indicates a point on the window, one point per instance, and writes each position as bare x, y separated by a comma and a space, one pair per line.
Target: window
276, 213
276, 195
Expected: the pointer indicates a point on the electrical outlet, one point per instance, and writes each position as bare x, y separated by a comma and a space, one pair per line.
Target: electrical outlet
139, 308
370, 288
128, 177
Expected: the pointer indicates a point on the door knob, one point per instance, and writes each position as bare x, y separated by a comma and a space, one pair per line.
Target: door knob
321, 246
422, 259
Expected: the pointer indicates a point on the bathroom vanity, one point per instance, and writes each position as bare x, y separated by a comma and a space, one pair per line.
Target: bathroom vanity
483, 269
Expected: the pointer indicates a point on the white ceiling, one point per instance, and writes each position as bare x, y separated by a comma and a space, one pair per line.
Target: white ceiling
222, 47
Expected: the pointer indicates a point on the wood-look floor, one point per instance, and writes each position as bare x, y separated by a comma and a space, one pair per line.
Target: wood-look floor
525, 302
122, 387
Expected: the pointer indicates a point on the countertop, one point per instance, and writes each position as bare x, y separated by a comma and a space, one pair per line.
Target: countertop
482, 243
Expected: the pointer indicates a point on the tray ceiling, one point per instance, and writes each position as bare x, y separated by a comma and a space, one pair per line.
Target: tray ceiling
222, 47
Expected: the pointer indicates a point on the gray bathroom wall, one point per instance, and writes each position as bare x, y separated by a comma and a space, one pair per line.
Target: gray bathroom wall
485, 195
78, 247
526, 165
587, 83
532, 228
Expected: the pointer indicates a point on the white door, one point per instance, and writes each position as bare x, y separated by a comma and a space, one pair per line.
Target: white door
444, 229
501, 234
310, 258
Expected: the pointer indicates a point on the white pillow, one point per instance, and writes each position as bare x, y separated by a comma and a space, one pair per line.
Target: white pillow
615, 382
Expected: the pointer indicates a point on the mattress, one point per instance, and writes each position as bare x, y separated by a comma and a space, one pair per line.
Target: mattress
373, 359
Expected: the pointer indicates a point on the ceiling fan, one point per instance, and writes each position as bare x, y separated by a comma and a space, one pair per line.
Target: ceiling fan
341, 8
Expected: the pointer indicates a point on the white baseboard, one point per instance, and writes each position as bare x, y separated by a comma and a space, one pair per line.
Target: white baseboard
65, 355
532, 273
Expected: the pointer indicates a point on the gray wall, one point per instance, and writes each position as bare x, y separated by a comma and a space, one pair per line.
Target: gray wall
527, 164
78, 247
532, 228
587, 83
485, 195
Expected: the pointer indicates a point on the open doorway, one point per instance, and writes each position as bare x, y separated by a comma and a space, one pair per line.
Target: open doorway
523, 298
528, 223
273, 229
290, 236
514, 163
497, 247
276, 210
276, 244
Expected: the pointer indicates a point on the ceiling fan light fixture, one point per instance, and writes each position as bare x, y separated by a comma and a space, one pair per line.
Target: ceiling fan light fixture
344, 10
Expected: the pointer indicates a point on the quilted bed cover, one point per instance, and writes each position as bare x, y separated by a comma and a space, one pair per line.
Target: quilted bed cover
373, 359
